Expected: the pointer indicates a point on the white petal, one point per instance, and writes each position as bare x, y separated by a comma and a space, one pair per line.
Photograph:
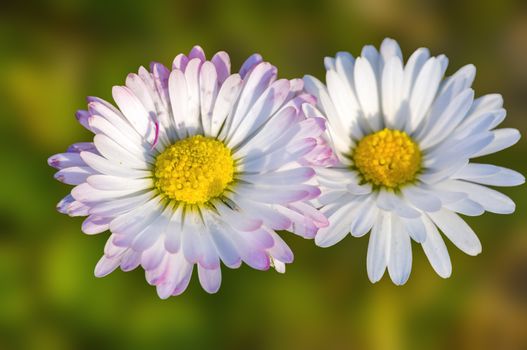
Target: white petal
146, 238
237, 218
367, 88
392, 92
279, 266
278, 158
192, 115
386, 200
475, 170
487, 174
86, 194
462, 79
281, 178
443, 170
448, 154
422, 199
116, 183
344, 63
378, 247
223, 242
209, 258
415, 228
446, 194
282, 127
225, 101
271, 197
134, 111
424, 92
123, 137
256, 82
485, 104
102, 109
208, 91
345, 103
370, 53
338, 228
490, 199
117, 207
136, 220
365, 217
389, 49
404, 209
389, 201
260, 112
136, 84
337, 130
359, 189
157, 83
441, 124
400, 262
190, 240
270, 216
503, 138
435, 250
329, 63
117, 154
457, 230
477, 125
466, 207
173, 231
443, 63
178, 92
412, 69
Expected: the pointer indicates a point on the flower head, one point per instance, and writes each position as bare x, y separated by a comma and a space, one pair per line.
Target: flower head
197, 165
404, 136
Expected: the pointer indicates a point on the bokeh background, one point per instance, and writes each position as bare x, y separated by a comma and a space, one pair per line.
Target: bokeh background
54, 53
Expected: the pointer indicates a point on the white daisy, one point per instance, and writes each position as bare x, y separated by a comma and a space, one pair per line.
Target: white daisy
196, 165
404, 137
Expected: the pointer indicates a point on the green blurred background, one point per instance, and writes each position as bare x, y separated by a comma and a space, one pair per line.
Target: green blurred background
54, 53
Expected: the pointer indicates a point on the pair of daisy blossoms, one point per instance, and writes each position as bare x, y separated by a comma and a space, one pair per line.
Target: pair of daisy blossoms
199, 166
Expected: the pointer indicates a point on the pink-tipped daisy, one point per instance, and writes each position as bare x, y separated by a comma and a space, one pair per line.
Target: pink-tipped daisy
405, 136
197, 165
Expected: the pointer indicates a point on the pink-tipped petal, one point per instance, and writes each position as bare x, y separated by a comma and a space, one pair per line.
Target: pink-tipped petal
210, 279
105, 266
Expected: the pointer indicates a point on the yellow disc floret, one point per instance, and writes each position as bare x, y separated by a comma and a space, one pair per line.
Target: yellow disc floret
194, 170
388, 158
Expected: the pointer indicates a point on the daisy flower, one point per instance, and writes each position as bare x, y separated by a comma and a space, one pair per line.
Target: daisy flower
404, 136
196, 166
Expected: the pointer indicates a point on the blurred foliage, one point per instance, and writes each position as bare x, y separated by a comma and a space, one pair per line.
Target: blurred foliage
54, 53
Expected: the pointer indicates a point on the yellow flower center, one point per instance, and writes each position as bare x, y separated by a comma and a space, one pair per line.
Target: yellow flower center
388, 158
194, 170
